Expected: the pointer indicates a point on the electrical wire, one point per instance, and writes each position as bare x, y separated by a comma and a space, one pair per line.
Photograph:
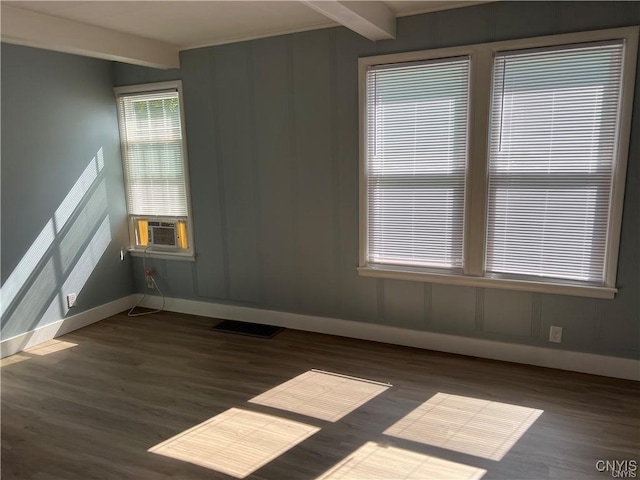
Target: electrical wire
155, 284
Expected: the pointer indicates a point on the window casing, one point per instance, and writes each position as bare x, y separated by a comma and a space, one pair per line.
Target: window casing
546, 132
152, 134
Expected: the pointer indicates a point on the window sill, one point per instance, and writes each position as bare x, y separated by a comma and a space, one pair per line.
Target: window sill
553, 287
163, 255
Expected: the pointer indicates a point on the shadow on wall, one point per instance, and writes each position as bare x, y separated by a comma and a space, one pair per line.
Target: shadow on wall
61, 258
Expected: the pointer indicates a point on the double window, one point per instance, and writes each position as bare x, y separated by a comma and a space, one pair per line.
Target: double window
500, 164
154, 160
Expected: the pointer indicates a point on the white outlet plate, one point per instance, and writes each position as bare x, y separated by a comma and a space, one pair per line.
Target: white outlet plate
555, 334
71, 300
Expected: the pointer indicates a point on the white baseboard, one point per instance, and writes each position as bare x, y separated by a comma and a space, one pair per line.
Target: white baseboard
509, 352
42, 334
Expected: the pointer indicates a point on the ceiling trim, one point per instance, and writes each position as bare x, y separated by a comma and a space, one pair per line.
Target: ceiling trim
24, 27
246, 38
449, 5
372, 20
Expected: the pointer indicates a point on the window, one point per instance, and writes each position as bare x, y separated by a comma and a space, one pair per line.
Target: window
416, 182
154, 159
551, 159
498, 165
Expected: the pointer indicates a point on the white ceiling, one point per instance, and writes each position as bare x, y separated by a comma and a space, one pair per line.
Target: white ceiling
184, 24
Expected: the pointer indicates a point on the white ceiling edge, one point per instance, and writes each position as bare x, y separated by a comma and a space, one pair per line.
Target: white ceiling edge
246, 38
373, 20
40, 30
450, 5
24, 27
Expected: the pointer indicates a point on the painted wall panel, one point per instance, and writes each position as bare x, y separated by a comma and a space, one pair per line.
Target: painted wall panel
453, 308
126, 74
581, 15
437, 30
618, 321
63, 209
206, 193
404, 304
576, 316
314, 97
357, 296
236, 137
522, 21
507, 312
272, 79
285, 234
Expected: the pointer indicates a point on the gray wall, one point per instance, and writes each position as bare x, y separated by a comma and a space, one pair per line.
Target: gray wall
63, 209
272, 130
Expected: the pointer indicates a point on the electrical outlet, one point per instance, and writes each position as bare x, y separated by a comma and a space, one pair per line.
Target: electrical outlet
555, 334
149, 281
71, 300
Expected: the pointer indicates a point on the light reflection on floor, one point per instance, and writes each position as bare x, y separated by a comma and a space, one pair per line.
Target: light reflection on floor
50, 347
17, 358
467, 425
323, 395
377, 462
236, 442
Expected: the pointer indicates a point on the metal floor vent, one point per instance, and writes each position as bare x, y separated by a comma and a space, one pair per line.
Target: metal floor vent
250, 329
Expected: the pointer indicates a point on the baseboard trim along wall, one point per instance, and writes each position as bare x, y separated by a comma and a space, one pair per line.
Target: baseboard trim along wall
526, 354
42, 334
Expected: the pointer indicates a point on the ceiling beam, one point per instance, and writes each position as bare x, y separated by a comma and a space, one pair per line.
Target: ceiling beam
372, 20
24, 27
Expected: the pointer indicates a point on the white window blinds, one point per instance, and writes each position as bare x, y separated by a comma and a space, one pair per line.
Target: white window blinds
416, 159
153, 156
553, 139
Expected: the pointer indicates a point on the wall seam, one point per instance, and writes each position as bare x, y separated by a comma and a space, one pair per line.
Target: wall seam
428, 304
256, 173
536, 316
380, 299
224, 233
479, 318
293, 152
335, 172
598, 327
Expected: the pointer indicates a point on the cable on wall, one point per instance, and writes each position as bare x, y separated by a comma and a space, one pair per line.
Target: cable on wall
149, 276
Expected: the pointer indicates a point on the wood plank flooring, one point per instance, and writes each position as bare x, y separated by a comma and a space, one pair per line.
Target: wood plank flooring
92, 408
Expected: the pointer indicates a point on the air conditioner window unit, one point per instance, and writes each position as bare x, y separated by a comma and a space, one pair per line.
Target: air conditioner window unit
162, 234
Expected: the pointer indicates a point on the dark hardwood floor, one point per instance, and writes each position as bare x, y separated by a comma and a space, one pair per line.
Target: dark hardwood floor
93, 410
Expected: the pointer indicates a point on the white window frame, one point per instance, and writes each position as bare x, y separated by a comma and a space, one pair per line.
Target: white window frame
476, 194
158, 252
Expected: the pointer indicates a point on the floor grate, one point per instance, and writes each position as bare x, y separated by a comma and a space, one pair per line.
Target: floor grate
250, 329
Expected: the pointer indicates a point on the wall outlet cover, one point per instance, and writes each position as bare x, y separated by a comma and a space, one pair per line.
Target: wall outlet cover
71, 300
555, 334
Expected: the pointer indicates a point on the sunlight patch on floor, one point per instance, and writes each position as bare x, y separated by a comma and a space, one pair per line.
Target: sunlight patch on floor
377, 462
5, 362
236, 442
323, 395
467, 425
50, 347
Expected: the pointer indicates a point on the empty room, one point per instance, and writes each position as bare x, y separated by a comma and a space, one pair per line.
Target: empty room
300, 240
